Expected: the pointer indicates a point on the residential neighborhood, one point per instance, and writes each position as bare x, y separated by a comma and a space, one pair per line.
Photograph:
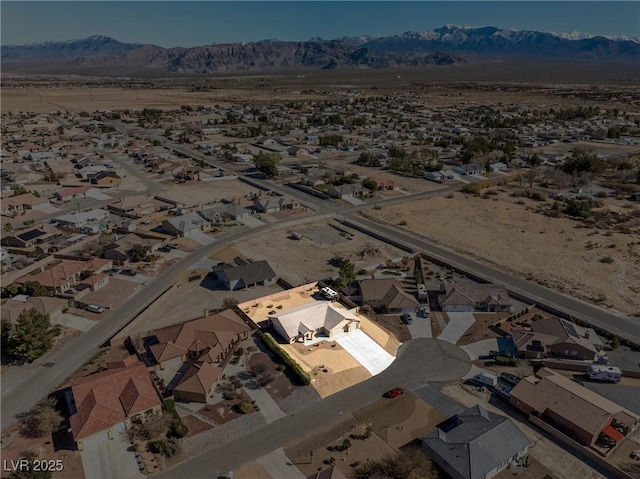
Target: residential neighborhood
325, 283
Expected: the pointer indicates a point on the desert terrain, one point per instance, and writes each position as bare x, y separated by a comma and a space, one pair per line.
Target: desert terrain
507, 232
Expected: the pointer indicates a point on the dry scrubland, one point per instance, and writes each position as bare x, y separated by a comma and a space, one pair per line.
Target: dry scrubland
556, 252
302, 261
527, 83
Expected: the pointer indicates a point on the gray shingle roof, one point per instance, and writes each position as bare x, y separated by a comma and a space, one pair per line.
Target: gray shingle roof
250, 273
475, 441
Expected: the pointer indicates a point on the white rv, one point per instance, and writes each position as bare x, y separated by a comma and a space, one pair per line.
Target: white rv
486, 379
330, 294
604, 373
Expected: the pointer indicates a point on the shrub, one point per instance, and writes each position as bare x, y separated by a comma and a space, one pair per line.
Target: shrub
471, 188
607, 260
273, 345
402, 223
503, 361
245, 407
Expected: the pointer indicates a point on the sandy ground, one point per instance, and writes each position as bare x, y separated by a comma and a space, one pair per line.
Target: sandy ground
196, 193
332, 368
380, 335
372, 448
313, 251
188, 301
253, 470
400, 420
555, 252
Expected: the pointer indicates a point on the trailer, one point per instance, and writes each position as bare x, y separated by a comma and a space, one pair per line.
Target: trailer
604, 373
330, 294
486, 379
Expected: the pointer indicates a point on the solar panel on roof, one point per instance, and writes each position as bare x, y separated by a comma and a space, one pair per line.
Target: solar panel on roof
29, 235
571, 331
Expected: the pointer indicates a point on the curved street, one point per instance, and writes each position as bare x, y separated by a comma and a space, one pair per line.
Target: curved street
419, 362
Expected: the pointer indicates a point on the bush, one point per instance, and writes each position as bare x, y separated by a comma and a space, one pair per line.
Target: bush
471, 188
607, 259
245, 407
273, 345
502, 361
393, 467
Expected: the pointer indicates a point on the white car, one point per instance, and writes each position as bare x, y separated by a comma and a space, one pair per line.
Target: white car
94, 308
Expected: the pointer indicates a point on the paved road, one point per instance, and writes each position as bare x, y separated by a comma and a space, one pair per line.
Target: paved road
150, 185
445, 361
613, 322
37, 382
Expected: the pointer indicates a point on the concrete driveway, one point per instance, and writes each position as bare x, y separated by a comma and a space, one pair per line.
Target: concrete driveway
480, 348
201, 237
420, 327
366, 351
458, 325
75, 322
276, 464
110, 459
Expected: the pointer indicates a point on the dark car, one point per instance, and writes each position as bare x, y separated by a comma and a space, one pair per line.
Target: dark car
510, 378
392, 393
128, 272
406, 318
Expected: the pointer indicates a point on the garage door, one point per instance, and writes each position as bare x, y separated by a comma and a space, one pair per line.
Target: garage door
91, 441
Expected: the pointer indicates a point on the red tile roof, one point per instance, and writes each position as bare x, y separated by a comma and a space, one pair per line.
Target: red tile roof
109, 397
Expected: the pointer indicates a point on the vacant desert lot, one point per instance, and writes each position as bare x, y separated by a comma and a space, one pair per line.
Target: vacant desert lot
556, 252
306, 260
197, 193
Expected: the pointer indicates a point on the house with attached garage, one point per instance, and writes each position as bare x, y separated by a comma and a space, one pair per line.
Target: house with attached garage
195, 350
118, 251
388, 294
469, 169
355, 190
317, 319
564, 407
15, 205
556, 337
244, 274
469, 296
29, 238
72, 193
12, 308
186, 225
476, 444
104, 178
104, 405
273, 203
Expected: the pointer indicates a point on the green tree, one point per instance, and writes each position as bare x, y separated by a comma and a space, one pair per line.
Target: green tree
346, 275
370, 185
583, 161
267, 163
20, 190
138, 252
30, 337
7, 228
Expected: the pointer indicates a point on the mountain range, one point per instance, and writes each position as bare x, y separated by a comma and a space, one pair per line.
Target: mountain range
447, 45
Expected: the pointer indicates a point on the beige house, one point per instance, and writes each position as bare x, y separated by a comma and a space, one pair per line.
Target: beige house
317, 319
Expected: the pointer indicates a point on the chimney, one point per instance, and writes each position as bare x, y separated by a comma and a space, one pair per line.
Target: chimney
206, 312
586, 334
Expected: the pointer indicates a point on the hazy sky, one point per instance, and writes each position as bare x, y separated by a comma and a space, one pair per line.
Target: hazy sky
203, 22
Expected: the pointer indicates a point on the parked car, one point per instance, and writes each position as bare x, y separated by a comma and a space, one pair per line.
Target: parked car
406, 318
510, 378
94, 308
173, 246
506, 354
392, 393
165, 249
129, 272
